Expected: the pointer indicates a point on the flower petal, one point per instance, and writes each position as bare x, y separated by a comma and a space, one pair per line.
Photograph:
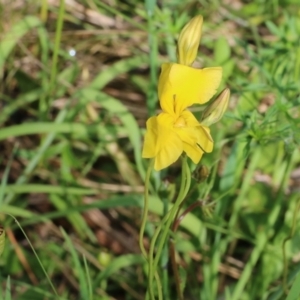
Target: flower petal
194, 133
161, 141
181, 86
165, 90
205, 141
150, 141
195, 154
190, 119
169, 144
198, 137
169, 152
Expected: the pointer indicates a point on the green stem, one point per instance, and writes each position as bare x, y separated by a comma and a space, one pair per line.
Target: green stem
185, 185
145, 209
144, 220
175, 225
165, 259
151, 253
167, 220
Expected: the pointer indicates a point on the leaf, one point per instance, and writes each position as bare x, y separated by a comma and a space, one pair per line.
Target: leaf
14, 104
294, 293
75, 218
77, 129
8, 289
233, 167
78, 268
120, 67
183, 278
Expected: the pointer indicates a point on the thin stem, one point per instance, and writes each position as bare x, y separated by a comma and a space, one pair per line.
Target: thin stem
159, 286
145, 209
175, 226
167, 220
151, 270
144, 220
181, 217
185, 184
165, 260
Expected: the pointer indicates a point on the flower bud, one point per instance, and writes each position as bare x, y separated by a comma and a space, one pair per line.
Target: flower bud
189, 40
201, 173
215, 111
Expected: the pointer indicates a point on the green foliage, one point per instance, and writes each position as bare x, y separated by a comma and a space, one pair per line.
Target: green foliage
71, 131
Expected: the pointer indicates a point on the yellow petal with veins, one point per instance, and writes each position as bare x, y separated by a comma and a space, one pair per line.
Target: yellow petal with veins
162, 142
204, 141
181, 86
197, 137
169, 152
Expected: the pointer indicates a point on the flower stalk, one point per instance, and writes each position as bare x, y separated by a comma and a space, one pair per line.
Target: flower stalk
175, 133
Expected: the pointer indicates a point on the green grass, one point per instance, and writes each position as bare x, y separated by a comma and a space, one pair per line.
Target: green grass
71, 132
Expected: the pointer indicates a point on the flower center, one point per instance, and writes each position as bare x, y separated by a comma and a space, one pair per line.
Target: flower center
180, 122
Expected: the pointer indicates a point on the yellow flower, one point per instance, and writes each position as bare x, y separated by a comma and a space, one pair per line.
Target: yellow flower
176, 130
168, 136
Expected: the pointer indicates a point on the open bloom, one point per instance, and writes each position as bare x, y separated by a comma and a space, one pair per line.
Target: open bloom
176, 130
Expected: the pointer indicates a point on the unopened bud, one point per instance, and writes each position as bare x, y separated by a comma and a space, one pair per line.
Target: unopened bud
215, 111
201, 173
189, 40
